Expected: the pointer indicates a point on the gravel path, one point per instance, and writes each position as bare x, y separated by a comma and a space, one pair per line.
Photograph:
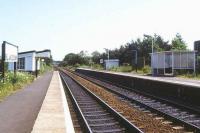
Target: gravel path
19, 111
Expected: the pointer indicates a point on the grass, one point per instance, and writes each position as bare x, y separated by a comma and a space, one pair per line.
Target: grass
45, 68
128, 68
11, 84
144, 70
189, 76
122, 69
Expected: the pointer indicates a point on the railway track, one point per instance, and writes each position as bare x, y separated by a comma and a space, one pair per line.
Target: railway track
179, 114
74, 116
94, 114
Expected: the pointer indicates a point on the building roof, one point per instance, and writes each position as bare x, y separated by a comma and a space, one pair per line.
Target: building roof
34, 51
26, 52
46, 50
176, 51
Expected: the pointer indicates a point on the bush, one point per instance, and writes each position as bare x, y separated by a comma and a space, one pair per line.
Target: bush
12, 83
45, 68
146, 69
121, 69
97, 66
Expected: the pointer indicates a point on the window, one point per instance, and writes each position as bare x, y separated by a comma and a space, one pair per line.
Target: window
21, 63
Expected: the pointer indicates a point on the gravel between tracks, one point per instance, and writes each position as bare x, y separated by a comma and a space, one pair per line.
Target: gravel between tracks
145, 122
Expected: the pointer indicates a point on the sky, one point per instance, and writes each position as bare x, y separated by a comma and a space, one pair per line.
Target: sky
66, 26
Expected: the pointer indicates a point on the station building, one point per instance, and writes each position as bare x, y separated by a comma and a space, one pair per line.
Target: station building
30, 61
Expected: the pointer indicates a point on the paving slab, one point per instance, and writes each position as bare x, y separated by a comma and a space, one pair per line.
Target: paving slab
19, 110
54, 116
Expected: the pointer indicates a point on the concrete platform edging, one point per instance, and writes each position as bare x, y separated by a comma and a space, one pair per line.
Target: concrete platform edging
54, 115
68, 120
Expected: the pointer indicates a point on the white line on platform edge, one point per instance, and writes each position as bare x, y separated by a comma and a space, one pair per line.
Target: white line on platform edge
68, 121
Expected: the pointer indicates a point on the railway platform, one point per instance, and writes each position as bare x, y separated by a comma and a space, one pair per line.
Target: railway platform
171, 80
54, 115
173, 88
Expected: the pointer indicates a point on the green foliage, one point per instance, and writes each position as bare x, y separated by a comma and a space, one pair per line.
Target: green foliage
97, 66
12, 83
178, 43
122, 69
77, 65
45, 68
189, 76
80, 58
96, 56
126, 53
146, 69
143, 46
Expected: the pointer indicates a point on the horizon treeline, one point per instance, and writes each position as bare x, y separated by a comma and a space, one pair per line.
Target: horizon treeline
125, 53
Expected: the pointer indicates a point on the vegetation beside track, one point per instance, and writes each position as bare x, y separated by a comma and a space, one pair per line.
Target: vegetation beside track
45, 68
11, 83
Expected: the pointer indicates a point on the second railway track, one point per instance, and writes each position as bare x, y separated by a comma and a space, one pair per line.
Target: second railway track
93, 113
172, 111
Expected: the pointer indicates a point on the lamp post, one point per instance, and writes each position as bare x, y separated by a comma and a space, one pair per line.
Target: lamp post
152, 50
135, 53
107, 50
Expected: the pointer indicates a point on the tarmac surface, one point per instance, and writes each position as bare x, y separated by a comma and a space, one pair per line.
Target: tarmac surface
19, 111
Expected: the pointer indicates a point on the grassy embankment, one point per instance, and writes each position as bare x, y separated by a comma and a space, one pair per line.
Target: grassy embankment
45, 68
144, 70
189, 76
12, 84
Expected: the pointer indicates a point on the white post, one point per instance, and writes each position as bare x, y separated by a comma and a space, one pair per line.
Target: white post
172, 63
164, 63
108, 55
157, 64
152, 57
194, 63
187, 60
180, 59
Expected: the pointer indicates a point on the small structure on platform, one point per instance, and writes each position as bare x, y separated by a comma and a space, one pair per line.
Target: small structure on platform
108, 64
165, 62
29, 61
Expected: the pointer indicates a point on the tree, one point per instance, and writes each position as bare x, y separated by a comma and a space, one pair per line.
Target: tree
96, 56
178, 43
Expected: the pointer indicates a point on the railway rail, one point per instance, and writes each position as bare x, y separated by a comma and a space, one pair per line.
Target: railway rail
177, 113
93, 113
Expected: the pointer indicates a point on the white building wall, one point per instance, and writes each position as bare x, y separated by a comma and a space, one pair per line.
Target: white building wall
30, 61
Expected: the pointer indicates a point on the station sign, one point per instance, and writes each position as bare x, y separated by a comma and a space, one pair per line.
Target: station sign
11, 53
101, 61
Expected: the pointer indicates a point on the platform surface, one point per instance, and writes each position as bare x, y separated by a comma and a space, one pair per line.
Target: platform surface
54, 116
19, 111
173, 80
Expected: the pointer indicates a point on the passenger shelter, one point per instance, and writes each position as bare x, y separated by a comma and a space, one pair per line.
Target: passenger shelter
166, 62
30, 61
